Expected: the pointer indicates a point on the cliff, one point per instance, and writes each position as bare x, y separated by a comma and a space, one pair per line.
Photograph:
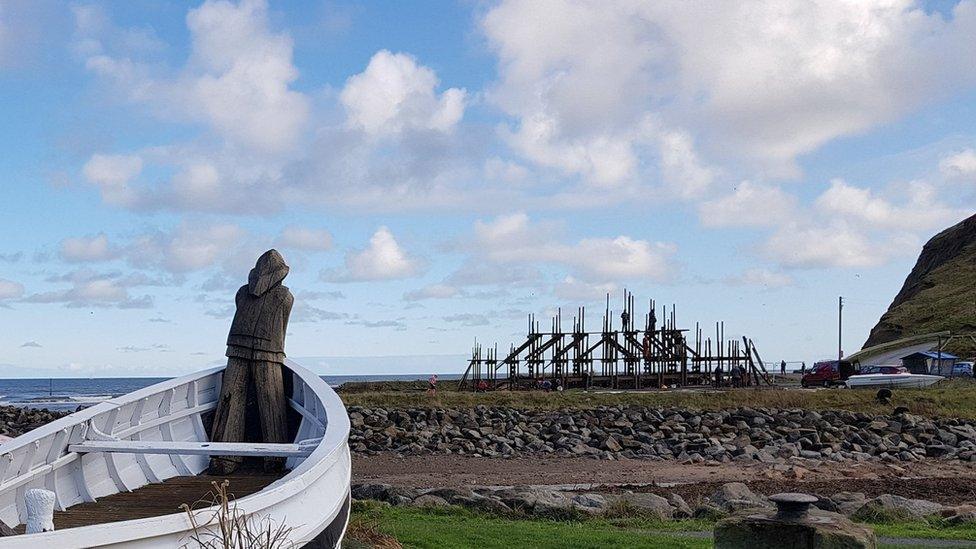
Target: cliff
940, 292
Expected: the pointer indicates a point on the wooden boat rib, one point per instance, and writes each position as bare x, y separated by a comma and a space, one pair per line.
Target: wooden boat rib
157, 433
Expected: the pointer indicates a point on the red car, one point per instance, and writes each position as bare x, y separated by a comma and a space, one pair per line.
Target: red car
827, 373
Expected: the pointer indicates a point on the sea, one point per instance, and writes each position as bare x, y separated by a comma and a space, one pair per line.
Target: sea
68, 394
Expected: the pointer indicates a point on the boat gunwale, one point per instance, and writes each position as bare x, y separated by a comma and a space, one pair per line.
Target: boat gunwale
88, 413
317, 464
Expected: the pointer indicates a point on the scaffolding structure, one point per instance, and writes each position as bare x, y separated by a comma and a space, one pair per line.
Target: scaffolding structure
630, 356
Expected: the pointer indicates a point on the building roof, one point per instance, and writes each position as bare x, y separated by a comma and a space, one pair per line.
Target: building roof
932, 354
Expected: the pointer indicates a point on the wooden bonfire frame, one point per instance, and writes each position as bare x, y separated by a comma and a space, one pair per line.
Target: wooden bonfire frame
654, 356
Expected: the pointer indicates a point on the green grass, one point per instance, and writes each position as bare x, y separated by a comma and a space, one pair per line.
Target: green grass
456, 528
459, 528
933, 529
951, 398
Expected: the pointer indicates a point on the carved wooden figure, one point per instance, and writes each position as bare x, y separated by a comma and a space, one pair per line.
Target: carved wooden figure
255, 352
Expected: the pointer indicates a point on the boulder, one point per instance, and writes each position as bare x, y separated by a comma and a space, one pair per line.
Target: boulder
454, 496
590, 503
818, 530
650, 504
379, 492
430, 500
896, 507
736, 496
488, 505
961, 514
552, 504
846, 503
612, 445
681, 508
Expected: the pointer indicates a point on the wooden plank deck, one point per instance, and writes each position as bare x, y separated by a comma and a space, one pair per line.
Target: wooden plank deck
157, 499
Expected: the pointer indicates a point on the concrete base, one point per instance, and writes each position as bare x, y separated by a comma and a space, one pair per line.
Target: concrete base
817, 530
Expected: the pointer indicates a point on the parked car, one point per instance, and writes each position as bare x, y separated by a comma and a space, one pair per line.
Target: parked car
884, 370
827, 373
962, 369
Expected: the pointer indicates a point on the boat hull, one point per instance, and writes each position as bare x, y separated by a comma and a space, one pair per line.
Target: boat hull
915, 381
312, 499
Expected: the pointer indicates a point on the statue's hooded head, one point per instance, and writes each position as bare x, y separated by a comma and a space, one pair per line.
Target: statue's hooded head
267, 273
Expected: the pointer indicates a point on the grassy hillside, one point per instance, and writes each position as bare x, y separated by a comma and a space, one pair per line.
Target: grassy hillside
940, 292
947, 302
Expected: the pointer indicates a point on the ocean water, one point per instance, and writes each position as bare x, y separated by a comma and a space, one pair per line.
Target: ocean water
67, 394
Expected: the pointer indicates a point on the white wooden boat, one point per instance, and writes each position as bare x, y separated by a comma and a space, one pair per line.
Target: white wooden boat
869, 381
157, 433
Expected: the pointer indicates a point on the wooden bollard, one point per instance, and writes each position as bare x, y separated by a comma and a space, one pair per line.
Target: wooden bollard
40, 510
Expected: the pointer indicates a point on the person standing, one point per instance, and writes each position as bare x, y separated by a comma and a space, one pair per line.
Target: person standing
432, 385
782, 367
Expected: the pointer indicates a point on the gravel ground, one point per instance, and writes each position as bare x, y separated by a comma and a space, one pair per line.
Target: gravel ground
947, 482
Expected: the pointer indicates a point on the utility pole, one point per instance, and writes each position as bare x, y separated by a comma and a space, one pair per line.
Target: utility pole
840, 328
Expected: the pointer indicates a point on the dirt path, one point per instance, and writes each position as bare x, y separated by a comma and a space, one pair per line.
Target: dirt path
946, 482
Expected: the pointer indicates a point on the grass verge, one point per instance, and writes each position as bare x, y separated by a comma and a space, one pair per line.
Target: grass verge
391, 527
458, 528
951, 398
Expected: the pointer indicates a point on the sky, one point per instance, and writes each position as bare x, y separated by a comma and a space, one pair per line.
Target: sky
433, 172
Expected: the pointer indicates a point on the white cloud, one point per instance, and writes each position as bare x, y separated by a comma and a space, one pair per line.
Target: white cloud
112, 174
433, 291
961, 165
571, 289
239, 76
581, 79
835, 244
187, 248
682, 169
762, 277
621, 258
497, 169
304, 238
382, 259
199, 182
94, 292
236, 84
513, 238
10, 289
306, 312
474, 272
922, 210
395, 94
846, 226
749, 204
467, 319
258, 146
237, 79
87, 249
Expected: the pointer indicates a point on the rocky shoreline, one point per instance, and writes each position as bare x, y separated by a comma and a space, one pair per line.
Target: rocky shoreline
730, 498
773, 436
15, 421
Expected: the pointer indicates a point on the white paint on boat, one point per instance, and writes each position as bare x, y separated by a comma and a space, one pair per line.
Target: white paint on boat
866, 381
193, 448
313, 495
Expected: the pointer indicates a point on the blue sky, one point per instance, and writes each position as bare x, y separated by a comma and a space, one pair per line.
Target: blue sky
435, 171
